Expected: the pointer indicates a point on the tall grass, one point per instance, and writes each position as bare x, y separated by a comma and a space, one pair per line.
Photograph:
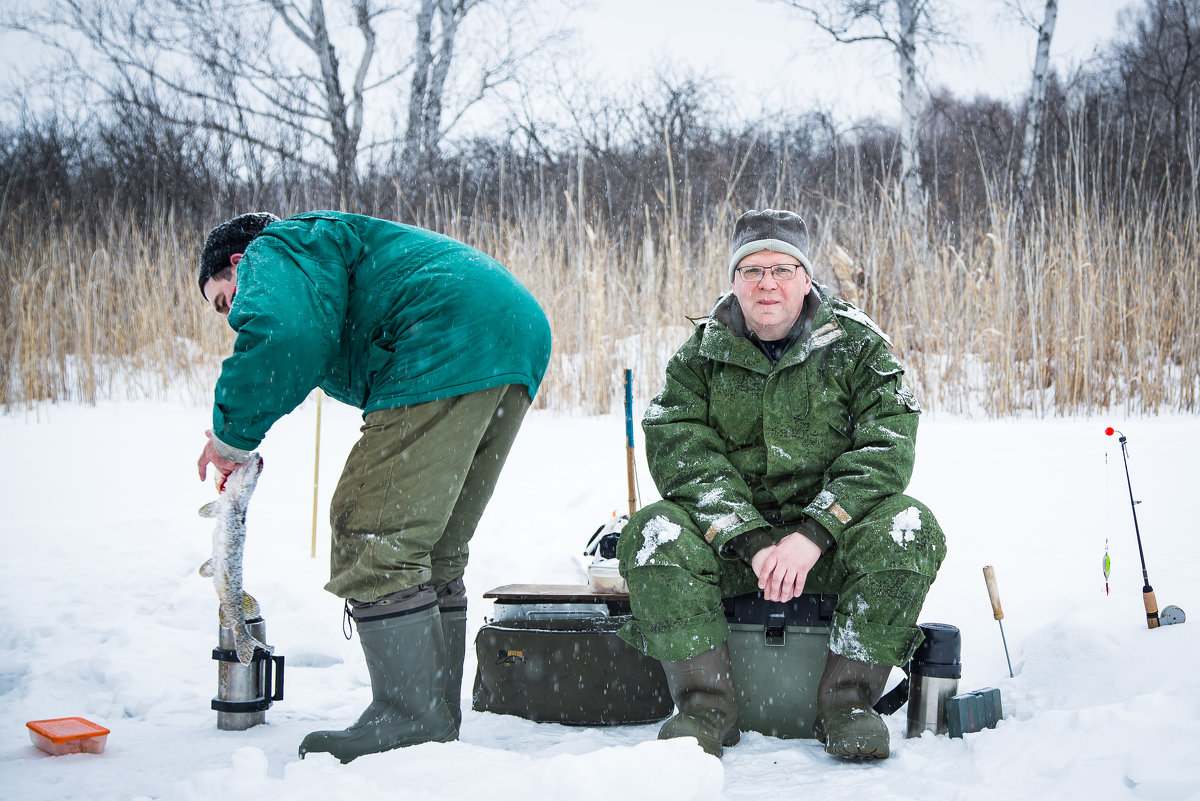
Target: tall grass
91, 314
1088, 306
1091, 305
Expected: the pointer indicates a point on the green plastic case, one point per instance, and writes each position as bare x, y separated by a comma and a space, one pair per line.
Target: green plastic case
778, 653
973, 711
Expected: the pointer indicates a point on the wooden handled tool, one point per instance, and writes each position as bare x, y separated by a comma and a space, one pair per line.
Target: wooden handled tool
989, 577
630, 471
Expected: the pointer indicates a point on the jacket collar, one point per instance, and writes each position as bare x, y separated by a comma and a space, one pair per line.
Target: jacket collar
726, 338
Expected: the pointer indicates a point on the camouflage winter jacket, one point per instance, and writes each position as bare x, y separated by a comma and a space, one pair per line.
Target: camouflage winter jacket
827, 432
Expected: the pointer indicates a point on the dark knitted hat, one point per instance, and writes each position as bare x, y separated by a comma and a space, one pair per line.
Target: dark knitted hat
232, 236
769, 229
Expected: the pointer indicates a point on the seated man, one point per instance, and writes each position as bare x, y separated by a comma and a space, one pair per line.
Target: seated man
781, 444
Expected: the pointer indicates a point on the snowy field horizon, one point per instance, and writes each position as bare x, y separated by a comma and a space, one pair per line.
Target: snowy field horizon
104, 616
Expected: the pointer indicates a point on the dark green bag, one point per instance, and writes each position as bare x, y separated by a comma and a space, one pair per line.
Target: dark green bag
567, 670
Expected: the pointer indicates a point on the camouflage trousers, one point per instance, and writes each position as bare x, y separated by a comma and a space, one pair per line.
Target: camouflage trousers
413, 490
881, 571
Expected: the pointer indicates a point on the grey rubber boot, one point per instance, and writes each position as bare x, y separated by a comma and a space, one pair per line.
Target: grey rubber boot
846, 724
454, 634
407, 663
702, 689
452, 602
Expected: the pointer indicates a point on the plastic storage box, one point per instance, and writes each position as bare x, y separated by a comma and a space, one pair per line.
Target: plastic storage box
67, 736
778, 653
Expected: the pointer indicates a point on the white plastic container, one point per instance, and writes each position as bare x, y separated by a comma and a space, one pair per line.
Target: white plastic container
68, 736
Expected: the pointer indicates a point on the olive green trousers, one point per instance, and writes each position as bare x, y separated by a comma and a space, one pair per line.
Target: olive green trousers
880, 569
413, 490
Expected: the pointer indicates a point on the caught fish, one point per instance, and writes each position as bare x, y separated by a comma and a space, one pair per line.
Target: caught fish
225, 566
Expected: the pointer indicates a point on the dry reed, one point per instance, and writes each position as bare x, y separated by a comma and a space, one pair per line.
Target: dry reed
1085, 308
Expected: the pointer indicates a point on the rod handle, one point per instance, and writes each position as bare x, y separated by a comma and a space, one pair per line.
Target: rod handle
631, 479
1151, 607
989, 577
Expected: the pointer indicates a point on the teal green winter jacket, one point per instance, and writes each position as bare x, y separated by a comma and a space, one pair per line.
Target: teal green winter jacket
376, 313
826, 433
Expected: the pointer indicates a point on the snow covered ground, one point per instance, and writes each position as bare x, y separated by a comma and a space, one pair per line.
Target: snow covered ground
103, 616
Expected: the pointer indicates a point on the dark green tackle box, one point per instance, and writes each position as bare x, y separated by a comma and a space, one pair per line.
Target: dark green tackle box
778, 653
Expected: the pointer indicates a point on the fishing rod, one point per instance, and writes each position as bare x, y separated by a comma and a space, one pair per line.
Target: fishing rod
1172, 614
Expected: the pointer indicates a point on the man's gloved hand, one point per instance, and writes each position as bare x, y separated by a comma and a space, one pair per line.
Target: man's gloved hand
783, 568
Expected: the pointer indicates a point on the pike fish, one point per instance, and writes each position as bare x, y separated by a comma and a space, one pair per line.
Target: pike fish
225, 566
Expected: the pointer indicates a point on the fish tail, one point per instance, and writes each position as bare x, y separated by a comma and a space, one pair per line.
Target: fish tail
245, 649
247, 644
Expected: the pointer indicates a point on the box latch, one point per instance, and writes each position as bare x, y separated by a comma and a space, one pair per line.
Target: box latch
776, 632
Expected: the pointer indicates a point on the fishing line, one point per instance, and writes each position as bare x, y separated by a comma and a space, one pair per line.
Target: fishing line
1107, 563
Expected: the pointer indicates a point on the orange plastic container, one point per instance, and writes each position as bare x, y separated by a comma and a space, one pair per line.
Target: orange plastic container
67, 736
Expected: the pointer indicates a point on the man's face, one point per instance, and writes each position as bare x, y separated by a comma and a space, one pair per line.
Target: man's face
220, 289
771, 306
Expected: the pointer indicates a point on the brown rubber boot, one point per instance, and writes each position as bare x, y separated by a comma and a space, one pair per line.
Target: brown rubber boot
846, 724
702, 689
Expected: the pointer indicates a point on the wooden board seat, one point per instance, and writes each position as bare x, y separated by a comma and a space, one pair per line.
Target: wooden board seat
552, 593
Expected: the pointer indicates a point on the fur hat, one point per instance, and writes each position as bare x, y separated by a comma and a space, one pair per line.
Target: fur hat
769, 229
232, 236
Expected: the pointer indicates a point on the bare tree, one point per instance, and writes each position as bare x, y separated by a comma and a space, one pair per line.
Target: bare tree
1158, 70
515, 47
433, 56
232, 68
343, 114
1037, 106
905, 26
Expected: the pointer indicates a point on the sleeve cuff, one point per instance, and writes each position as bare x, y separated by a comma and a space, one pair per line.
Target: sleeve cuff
747, 544
817, 533
828, 515
226, 451
732, 525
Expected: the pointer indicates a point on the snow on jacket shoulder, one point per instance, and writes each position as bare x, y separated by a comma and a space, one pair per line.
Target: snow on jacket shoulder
378, 314
827, 432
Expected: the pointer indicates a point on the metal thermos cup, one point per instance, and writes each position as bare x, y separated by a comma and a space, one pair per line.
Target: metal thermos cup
933, 677
245, 692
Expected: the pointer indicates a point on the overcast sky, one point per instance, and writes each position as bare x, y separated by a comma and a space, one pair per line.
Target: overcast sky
777, 59
767, 56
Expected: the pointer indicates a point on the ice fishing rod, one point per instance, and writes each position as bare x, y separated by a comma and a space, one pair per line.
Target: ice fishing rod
1147, 591
1172, 614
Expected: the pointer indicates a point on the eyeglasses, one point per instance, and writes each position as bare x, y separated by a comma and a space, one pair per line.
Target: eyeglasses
780, 272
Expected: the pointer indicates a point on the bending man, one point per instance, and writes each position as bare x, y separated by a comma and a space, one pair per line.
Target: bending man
443, 351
